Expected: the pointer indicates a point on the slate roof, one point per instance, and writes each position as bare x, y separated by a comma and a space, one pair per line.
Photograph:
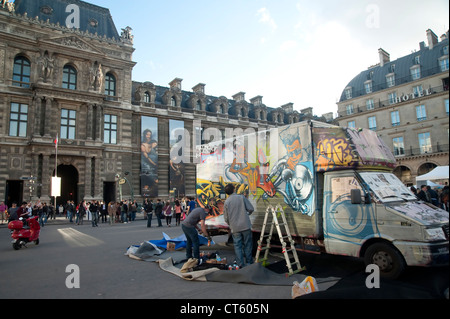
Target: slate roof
93, 19
429, 65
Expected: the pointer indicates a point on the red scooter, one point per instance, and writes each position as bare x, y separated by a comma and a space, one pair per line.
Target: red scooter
22, 236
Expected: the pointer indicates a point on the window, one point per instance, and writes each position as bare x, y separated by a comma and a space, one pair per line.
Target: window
68, 121
198, 106
417, 59
421, 113
372, 123
146, 97
399, 146
368, 86
390, 80
443, 63
69, 78
21, 72
369, 104
349, 109
110, 85
446, 106
425, 143
415, 72
351, 124
18, 120
348, 93
110, 129
395, 118
393, 98
173, 102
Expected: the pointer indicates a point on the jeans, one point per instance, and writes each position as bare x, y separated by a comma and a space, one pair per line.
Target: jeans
149, 219
243, 246
192, 242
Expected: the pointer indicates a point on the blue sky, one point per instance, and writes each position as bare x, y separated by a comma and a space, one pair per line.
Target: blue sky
288, 51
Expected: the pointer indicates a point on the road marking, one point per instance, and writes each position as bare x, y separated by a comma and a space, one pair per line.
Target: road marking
77, 239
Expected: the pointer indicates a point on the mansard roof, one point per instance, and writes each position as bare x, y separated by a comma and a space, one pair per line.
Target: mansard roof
93, 19
401, 68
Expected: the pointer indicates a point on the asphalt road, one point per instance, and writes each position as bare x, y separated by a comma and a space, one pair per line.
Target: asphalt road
106, 273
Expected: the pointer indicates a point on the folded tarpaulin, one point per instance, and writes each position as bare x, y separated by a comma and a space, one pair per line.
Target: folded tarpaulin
180, 241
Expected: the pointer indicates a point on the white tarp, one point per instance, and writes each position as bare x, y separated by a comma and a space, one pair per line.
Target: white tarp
440, 172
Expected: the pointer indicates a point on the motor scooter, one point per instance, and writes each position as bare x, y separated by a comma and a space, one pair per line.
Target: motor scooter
22, 236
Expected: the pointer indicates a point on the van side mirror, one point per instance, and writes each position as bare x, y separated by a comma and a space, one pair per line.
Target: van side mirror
355, 196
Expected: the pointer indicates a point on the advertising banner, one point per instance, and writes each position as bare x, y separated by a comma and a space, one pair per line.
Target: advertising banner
149, 156
176, 163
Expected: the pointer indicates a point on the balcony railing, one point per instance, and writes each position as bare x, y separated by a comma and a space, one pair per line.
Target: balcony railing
433, 149
386, 103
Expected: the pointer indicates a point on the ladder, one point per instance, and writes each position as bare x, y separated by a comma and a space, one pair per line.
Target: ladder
285, 250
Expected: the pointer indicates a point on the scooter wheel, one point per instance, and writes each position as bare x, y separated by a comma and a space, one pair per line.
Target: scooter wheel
36, 242
17, 246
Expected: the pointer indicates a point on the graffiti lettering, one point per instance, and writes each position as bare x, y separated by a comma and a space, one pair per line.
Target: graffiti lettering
333, 152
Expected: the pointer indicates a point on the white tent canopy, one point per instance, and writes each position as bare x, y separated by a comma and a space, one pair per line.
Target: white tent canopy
440, 172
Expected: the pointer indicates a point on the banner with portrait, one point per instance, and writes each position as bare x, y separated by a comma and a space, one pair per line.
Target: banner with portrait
176, 162
149, 156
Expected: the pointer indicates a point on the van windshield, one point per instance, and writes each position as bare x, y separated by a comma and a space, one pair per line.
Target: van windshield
387, 187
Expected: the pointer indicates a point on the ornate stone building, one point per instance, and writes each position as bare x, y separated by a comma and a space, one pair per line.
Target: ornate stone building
65, 71
406, 102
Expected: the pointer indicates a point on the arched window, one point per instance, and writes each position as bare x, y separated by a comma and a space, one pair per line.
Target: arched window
21, 72
147, 97
110, 85
69, 78
198, 106
173, 102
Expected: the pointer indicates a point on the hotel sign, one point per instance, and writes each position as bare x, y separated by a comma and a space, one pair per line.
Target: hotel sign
412, 96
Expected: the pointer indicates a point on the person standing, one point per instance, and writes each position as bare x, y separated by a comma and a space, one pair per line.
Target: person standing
148, 208
168, 213
3, 212
112, 212
177, 209
158, 211
190, 228
81, 213
236, 214
93, 208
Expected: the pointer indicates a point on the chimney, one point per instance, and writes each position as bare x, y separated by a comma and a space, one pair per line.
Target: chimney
176, 84
422, 45
239, 97
432, 39
288, 108
384, 57
199, 88
257, 100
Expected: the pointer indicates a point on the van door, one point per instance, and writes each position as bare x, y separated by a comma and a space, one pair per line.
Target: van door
346, 225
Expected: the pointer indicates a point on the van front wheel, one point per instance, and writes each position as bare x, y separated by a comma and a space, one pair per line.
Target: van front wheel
387, 258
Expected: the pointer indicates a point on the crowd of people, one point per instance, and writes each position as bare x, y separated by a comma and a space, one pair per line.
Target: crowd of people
95, 212
439, 197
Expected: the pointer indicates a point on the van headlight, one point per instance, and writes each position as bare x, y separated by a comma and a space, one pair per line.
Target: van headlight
433, 234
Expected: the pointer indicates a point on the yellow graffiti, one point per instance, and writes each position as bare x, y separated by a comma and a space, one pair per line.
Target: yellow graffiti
214, 193
333, 152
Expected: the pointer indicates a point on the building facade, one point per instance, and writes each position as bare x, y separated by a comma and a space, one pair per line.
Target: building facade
66, 74
406, 102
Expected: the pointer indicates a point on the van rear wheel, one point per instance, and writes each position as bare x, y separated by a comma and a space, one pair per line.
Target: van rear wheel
387, 258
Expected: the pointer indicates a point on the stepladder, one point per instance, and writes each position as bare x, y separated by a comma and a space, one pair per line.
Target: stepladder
276, 219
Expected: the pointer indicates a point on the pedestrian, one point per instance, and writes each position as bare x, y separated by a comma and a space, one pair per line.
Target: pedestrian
177, 209
191, 205
12, 212
444, 198
124, 211
167, 210
423, 194
112, 212
158, 211
190, 228
237, 209
103, 208
70, 210
148, 208
3, 212
133, 210
81, 212
93, 208
434, 196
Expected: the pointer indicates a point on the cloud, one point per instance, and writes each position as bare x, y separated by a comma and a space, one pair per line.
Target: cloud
266, 18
